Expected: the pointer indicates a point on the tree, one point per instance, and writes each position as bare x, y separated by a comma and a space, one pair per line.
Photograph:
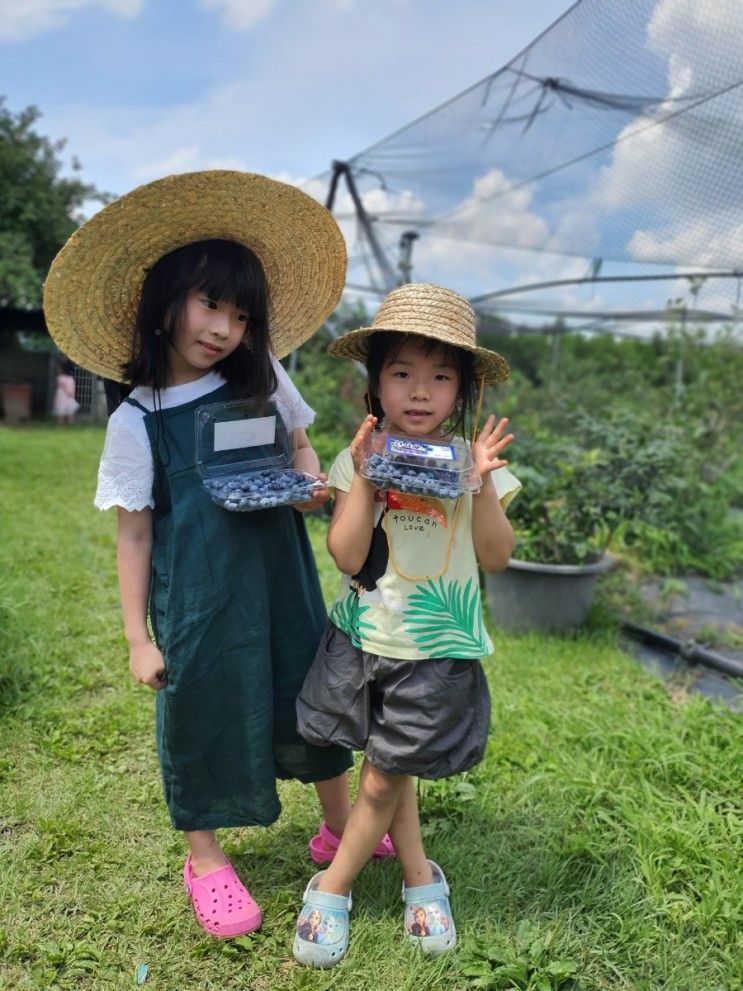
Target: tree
39, 208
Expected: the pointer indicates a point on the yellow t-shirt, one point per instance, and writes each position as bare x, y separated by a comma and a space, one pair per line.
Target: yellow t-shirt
418, 594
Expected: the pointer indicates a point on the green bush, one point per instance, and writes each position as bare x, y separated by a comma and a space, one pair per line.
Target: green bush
633, 442
580, 488
681, 391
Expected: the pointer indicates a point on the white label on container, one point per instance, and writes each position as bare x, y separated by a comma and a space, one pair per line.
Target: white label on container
231, 434
421, 449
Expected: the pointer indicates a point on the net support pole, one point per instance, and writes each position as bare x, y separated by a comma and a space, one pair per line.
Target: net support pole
389, 279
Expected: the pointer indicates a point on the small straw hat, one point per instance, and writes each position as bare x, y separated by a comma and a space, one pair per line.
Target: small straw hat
429, 311
93, 287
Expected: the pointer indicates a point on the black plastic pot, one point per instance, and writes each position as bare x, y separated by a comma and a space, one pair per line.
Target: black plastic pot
545, 597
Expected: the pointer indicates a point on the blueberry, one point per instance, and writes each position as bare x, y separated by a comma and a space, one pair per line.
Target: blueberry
261, 489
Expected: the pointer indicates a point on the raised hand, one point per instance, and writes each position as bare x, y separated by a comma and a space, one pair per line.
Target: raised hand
359, 443
487, 447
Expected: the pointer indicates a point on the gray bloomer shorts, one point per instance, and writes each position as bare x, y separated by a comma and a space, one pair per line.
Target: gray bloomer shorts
425, 718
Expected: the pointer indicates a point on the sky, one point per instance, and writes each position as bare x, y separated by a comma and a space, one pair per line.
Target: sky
145, 88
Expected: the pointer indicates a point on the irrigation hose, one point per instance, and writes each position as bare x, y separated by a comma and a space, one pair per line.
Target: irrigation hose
690, 650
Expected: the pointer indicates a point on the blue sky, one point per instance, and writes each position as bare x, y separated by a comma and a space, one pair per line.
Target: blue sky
145, 88
141, 88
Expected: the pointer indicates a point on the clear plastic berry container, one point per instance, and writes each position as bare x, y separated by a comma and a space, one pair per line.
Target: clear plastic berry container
438, 468
244, 457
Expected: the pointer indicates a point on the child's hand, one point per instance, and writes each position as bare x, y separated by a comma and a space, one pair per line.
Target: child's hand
488, 446
319, 498
147, 665
358, 444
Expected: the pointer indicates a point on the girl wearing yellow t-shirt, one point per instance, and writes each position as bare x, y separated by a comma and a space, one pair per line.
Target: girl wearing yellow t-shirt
397, 673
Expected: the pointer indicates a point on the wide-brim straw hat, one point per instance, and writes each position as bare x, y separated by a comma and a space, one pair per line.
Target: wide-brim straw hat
428, 311
92, 291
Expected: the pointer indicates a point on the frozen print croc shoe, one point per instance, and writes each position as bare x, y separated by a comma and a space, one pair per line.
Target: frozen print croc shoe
324, 846
428, 918
321, 938
222, 904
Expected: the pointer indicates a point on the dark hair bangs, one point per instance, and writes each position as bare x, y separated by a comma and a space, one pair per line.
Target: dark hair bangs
226, 270
222, 270
384, 346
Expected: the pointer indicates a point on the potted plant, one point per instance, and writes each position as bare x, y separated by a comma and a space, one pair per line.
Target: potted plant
579, 490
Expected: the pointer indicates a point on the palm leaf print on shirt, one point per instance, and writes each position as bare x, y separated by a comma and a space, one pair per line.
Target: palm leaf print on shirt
346, 614
446, 619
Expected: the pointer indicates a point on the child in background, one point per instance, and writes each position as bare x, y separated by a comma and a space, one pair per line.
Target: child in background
190, 288
64, 405
397, 673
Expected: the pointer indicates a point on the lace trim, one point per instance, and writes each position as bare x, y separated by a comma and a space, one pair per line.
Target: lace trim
122, 490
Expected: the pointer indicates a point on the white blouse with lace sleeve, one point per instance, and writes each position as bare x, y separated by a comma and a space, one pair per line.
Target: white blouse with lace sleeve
126, 472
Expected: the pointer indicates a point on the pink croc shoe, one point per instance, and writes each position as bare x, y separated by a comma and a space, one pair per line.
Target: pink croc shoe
222, 904
324, 845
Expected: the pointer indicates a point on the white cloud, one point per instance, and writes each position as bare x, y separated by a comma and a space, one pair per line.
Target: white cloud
380, 203
479, 246
186, 159
681, 177
709, 242
700, 41
21, 19
496, 213
240, 14
478, 268
316, 188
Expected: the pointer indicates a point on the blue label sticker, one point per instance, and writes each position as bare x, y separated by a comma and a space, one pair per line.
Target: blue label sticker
420, 449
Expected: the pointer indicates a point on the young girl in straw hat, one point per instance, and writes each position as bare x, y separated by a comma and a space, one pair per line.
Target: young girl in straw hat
397, 673
190, 288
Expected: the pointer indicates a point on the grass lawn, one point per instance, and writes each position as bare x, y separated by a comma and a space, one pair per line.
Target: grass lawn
598, 846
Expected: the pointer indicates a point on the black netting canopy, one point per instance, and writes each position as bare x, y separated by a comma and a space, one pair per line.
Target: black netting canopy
595, 177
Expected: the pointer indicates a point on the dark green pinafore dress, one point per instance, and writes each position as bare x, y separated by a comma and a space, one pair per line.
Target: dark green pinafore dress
237, 612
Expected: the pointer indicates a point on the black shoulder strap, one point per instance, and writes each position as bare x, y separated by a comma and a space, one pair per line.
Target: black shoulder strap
136, 404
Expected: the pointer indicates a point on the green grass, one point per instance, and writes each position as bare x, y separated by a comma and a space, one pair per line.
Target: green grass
598, 845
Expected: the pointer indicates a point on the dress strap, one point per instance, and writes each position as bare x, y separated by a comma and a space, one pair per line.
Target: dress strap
136, 404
